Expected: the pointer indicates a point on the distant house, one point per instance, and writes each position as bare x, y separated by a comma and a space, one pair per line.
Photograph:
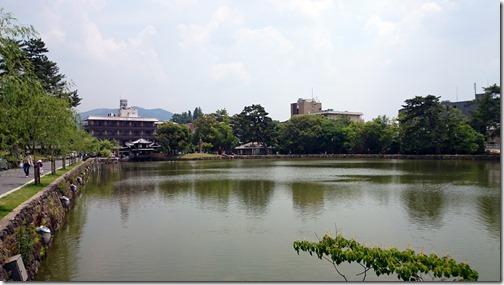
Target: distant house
139, 149
253, 148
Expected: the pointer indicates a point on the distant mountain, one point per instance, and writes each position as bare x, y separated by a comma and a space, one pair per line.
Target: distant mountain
157, 113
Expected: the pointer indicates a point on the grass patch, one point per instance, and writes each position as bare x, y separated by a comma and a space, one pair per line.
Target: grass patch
14, 199
197, 155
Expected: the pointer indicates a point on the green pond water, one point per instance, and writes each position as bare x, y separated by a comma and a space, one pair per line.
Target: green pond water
236, 220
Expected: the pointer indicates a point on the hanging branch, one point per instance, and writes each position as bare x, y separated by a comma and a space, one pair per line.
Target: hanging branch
408, 265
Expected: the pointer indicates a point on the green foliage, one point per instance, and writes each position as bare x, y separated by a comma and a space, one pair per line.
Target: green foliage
47, 72
307, 134
213, 135
174, 137
222, 116
62, 188
35, 104
302, 134
197, 113
106, 147
254, 125
378, 135
407, 264
485, 119
25, 235
428, 127
420, 125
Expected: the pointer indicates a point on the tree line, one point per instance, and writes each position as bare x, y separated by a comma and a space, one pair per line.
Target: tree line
36, 101
424, 126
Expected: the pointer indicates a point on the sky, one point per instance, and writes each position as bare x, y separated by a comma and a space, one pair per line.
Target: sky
364, 56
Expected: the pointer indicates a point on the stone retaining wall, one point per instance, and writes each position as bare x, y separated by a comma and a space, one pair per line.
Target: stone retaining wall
18, 229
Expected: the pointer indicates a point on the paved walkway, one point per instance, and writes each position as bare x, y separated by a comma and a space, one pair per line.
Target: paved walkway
13, 179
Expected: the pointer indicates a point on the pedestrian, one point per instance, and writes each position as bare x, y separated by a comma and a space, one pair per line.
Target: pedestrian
27, 162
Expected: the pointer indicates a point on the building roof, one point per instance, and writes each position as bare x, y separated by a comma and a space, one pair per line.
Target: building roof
331, 112
150, 145
141, 140
90, 118
251, 145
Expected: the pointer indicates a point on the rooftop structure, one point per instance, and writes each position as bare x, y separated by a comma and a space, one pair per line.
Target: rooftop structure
125, 111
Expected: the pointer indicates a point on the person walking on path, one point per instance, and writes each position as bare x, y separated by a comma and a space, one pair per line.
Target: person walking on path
27, 162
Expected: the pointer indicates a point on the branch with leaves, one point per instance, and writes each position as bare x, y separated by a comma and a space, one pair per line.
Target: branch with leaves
408, 265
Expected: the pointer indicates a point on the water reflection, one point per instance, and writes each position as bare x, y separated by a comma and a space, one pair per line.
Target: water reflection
213, 193
173, 190
489, 213
308, 199
424, 204
201, 216
254, 196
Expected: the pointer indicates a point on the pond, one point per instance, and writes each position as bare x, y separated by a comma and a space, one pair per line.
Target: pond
236, 220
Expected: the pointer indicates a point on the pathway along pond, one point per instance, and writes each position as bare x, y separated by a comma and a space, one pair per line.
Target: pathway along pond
236, 220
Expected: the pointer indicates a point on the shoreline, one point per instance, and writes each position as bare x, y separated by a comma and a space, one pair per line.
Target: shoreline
484, 157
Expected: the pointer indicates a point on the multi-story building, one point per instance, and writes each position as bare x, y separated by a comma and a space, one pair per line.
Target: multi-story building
305, 106
126, 127
313, 107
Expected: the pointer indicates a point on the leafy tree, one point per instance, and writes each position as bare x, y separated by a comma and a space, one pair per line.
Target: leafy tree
354, 140
106, 147
486, 118
222, 116
213, 135
332, 137
254, 125
378, 135
457, 136
302, 134
183, 118
48, 72
31, 117
407, 264
174, 137
197, 113
428, 127
420, 125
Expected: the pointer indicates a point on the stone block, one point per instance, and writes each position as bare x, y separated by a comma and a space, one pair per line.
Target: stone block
16, 268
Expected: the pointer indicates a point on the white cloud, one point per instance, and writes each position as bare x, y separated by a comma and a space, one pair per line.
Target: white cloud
132, 53
385, 29
309, 8
267, 37
227, 27
99, 47
230, 70
408, 18
146, 33
223, 23
430, 7
155, 51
